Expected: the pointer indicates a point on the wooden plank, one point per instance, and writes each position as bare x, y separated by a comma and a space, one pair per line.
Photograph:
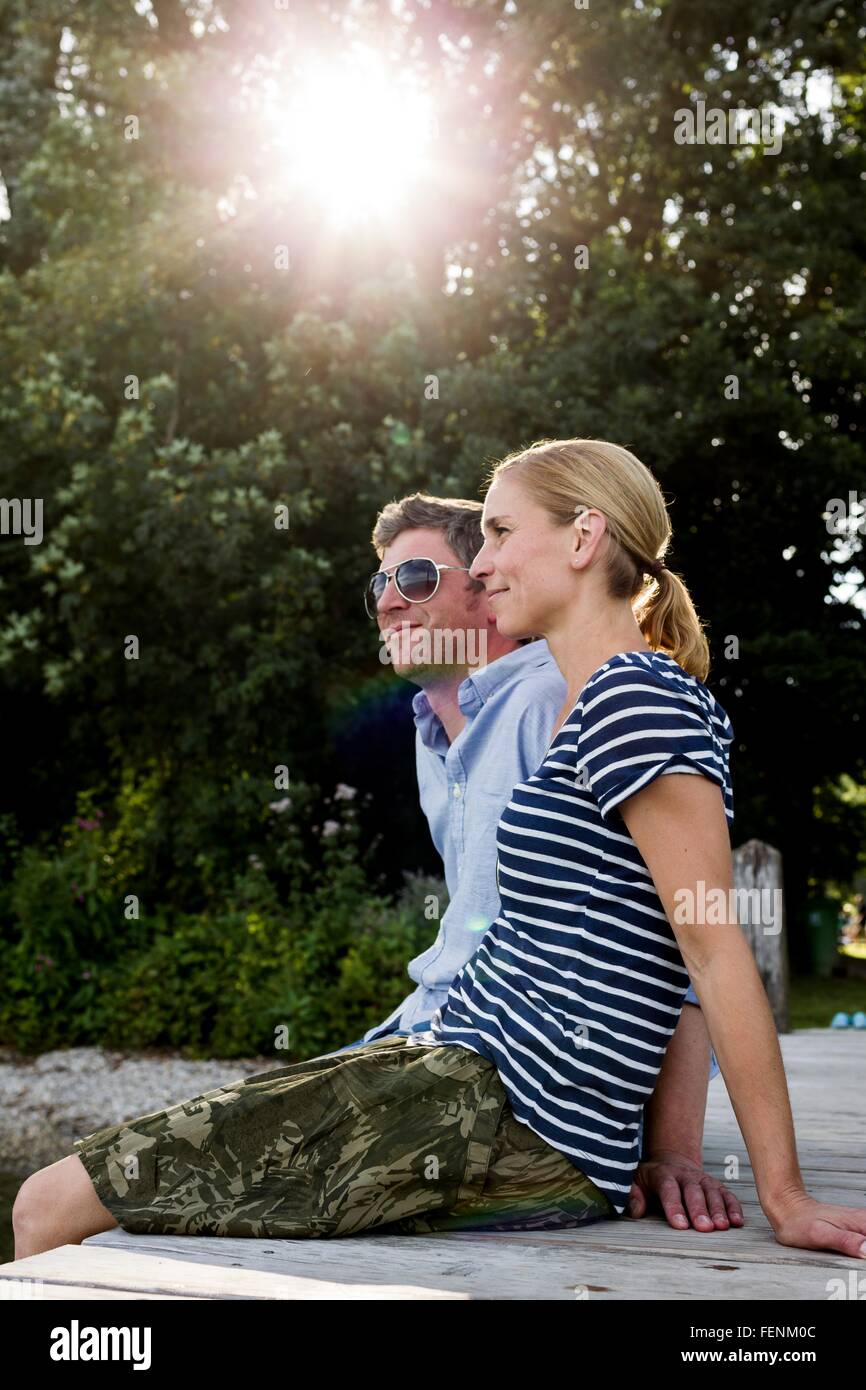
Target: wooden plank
837, 1196
456, 1266
830, 1186
80, 1293
136, 1272
843, 1167
644, 1237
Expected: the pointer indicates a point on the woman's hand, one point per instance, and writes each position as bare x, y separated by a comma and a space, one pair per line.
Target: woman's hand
804, 1222
682, 1186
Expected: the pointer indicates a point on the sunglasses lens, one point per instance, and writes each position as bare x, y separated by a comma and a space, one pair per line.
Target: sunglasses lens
373, 592
416, 579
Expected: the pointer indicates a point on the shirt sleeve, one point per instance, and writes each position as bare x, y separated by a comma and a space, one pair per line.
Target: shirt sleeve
634, 727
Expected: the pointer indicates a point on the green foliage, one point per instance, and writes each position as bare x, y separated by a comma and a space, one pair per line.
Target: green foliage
322, 957
166, 387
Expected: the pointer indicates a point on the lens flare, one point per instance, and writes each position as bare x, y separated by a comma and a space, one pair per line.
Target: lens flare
354, 140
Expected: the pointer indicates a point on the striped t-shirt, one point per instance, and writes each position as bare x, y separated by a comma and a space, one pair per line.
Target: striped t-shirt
577, 986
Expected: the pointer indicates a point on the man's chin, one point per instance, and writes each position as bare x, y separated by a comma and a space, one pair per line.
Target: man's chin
423, 673
412, 672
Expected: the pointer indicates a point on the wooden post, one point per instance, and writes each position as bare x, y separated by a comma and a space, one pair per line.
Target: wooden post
761, 914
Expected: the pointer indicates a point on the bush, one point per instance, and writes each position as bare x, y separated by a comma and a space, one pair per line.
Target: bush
299, 952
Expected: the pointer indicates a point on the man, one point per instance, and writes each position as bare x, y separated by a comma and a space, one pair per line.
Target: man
484, 715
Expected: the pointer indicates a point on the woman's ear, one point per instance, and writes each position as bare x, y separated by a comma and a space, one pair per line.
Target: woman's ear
583, 532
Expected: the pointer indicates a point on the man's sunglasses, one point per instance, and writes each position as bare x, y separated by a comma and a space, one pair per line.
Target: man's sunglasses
415, 580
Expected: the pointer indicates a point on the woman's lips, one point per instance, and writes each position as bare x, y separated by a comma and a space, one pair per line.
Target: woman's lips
495, 594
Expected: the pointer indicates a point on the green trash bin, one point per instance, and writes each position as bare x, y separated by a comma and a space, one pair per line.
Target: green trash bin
822, 922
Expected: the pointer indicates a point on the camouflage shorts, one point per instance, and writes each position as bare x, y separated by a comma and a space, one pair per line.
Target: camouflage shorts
391, 1136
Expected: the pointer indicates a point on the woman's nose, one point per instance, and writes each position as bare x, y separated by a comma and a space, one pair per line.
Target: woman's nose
480, 565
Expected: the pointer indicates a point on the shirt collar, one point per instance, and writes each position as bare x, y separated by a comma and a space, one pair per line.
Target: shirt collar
476, 689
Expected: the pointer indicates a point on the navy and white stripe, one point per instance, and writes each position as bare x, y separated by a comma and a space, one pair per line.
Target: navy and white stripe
577, 986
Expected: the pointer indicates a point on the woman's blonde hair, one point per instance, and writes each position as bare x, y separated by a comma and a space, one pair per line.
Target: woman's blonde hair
562, 475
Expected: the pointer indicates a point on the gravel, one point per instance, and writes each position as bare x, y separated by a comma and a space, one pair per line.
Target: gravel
47, 1101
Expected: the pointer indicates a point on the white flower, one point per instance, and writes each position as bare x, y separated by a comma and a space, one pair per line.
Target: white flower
344, 793
280, 806
330, 827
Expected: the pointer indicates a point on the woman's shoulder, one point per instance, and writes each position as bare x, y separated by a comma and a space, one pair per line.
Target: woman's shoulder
654, 673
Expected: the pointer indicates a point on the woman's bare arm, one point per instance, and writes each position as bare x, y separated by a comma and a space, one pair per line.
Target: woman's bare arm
679, 827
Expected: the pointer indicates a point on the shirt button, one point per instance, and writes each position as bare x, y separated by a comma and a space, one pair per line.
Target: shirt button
457, 791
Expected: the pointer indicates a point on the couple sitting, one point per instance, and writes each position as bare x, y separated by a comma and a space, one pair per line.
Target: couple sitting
544, 1073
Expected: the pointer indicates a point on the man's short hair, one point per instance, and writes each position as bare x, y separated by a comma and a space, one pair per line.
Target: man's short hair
458, 518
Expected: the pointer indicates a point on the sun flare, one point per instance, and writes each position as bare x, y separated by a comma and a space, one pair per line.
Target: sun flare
354, 141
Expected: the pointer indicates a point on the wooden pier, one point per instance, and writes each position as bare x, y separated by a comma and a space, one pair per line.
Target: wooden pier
645, 1259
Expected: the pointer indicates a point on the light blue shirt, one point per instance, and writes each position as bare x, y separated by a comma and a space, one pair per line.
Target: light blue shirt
510, 707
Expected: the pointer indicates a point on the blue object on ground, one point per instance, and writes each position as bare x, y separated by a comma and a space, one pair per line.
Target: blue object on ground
858, 1020
840, 1021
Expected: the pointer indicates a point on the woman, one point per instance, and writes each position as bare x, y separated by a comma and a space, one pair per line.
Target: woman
520, 1108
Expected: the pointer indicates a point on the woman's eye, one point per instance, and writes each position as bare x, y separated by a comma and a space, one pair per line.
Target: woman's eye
500, 530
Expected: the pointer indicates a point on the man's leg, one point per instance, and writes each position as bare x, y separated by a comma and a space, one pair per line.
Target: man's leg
57, 1206
392, 1033
365, 1042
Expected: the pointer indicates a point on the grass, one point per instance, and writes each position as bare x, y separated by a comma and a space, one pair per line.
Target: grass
815, 1001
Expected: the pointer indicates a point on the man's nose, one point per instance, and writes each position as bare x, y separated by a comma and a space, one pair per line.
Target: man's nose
390, 597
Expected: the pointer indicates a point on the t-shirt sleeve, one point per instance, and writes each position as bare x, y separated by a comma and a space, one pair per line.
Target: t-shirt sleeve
635, 728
